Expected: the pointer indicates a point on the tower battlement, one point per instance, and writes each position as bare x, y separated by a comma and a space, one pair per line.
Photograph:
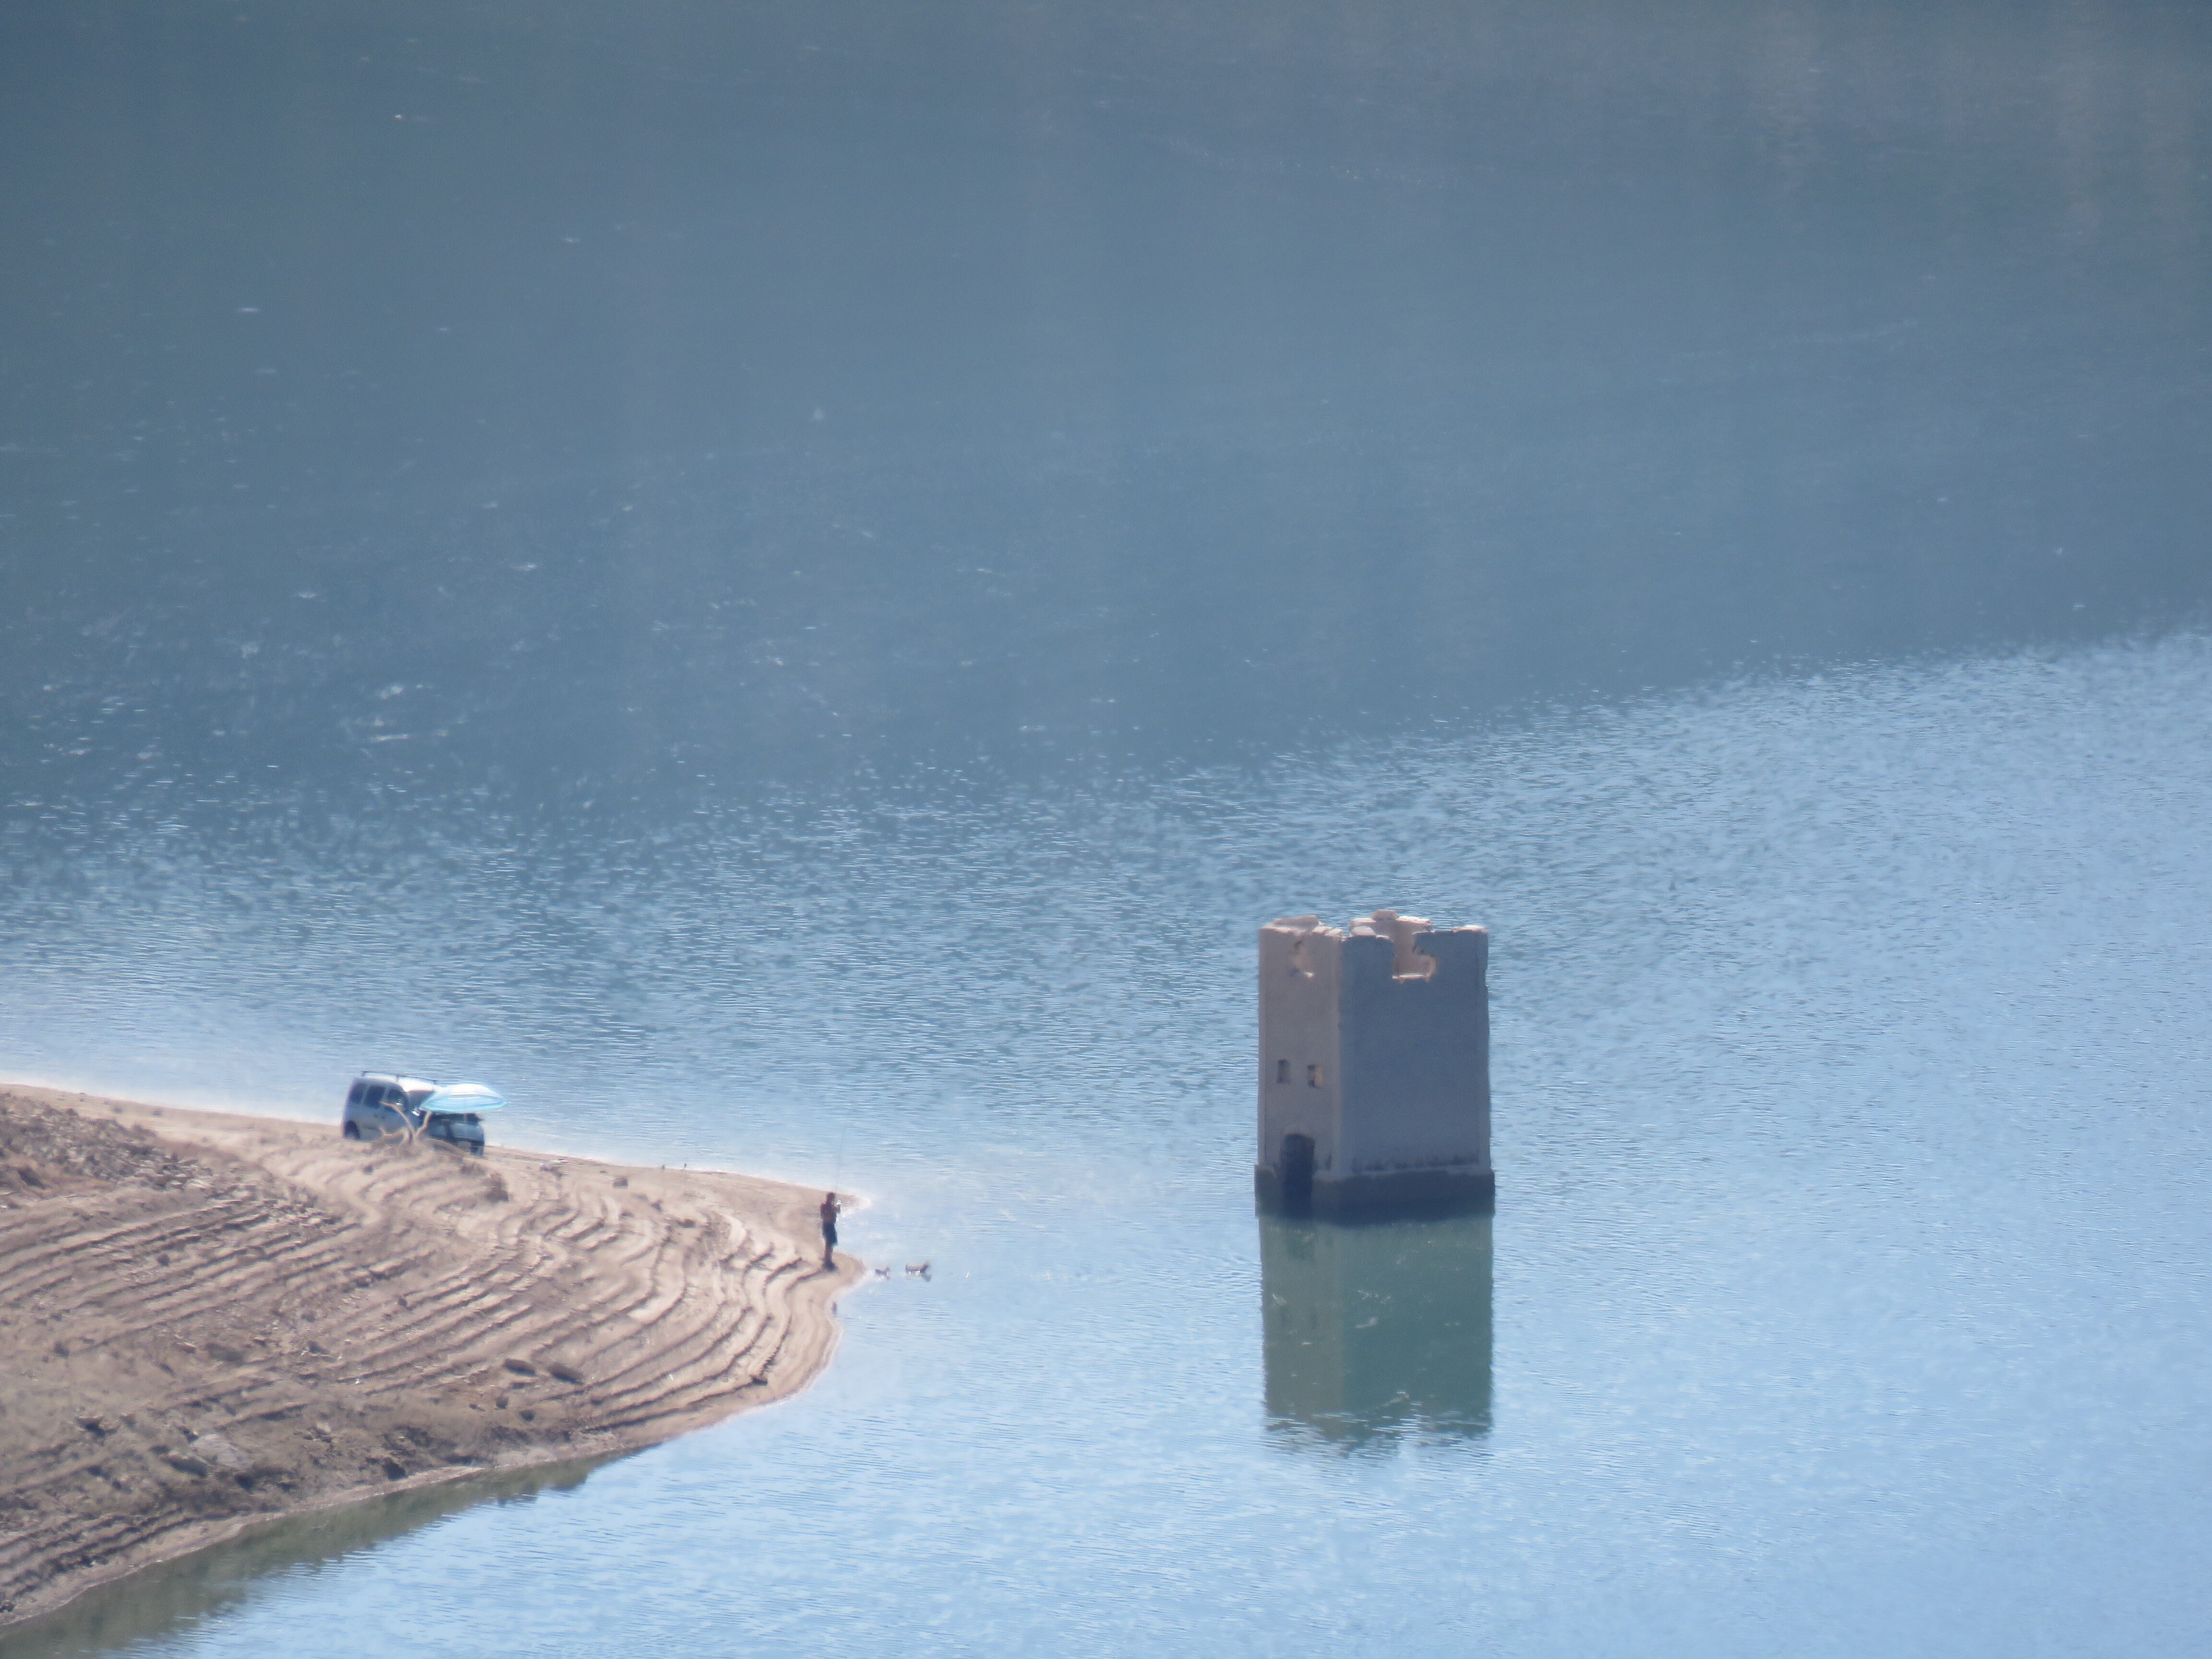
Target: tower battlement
1374, 1064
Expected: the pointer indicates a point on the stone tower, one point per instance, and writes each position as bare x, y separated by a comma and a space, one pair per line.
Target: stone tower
1374, 1065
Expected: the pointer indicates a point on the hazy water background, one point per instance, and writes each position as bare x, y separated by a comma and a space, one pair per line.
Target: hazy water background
790, 584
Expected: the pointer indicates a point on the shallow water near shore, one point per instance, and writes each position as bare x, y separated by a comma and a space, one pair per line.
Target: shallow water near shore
174, 1595
790, 584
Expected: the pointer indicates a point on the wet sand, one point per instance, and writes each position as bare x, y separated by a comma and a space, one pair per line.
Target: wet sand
208, 1322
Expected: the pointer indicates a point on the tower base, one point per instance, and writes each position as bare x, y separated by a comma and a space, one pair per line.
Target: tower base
1371, 1197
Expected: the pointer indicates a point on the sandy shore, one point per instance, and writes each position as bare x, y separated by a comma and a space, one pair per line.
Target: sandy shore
208, 1321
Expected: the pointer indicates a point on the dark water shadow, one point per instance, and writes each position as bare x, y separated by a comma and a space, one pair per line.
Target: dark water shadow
166, 1600
1377, 1332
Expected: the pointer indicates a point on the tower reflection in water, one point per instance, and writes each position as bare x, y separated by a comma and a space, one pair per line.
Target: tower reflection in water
1376, 1331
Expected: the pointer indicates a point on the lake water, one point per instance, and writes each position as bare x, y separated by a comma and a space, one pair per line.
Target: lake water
790, 585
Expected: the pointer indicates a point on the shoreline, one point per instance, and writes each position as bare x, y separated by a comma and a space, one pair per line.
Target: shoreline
326, 1118
211, 1321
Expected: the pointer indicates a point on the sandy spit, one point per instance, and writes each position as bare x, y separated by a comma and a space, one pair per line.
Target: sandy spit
208, 1322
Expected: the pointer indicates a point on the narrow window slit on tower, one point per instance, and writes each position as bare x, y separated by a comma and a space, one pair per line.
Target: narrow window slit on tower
1282, 1071
1313, 1077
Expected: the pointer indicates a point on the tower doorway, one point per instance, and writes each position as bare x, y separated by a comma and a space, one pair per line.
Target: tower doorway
1297, 1173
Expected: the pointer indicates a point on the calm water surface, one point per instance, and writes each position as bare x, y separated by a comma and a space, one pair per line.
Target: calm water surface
790, 585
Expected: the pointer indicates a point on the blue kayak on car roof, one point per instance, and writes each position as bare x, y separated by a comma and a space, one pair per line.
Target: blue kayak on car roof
464, 1098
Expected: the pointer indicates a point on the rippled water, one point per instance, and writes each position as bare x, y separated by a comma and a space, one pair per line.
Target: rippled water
790, 585
1846, 1290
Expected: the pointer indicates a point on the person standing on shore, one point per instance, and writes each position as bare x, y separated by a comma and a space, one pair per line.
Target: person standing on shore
828, 1229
